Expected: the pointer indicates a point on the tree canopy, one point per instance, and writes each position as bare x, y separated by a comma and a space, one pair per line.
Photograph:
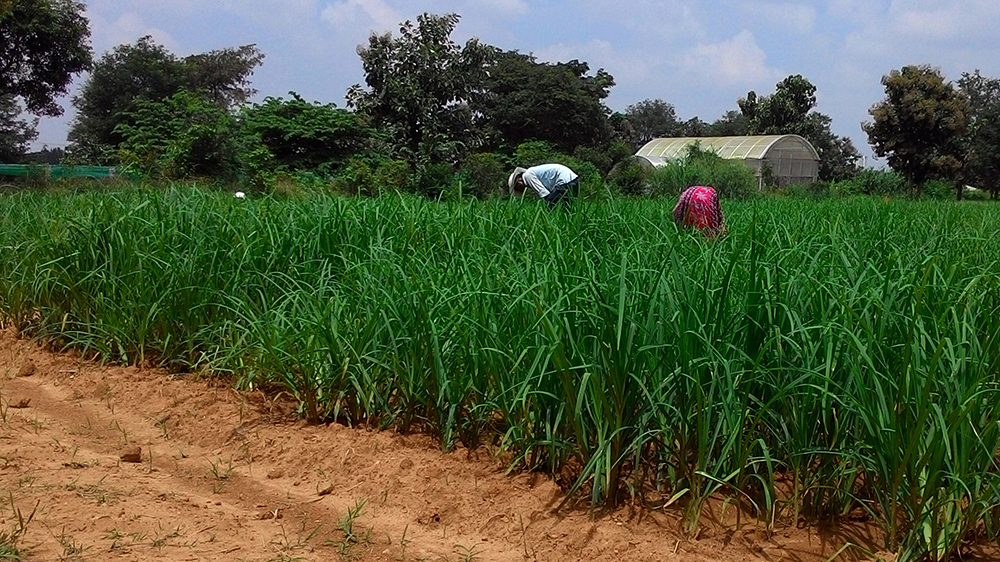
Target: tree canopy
306, 136
652, 118
790, 111
559, 103
732, 124
919, 125
420, 85
43, 44
148, 71
182, 135
15, 133
982, 140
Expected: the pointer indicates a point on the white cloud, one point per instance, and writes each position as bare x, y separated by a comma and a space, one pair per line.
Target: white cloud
126, 29
736, 61
785, 16
626, 67
350, 14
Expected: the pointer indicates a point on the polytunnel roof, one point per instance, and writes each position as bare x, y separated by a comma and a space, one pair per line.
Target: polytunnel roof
742, 148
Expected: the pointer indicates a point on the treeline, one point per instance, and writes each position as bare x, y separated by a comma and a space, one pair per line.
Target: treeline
437, 117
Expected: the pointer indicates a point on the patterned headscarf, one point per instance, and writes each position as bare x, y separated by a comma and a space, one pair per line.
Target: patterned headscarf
699, 207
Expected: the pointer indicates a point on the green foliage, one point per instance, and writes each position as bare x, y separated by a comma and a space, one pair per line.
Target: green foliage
604, 158
790, 111
16, 134
814, 190
148, 72
919, 125
484, 175
730, 178
182, 136
419, 85
872, 182
533, 153
940, 189
43, 44
652, 119
557, 103
306, 136
372, 176
630, 178
731, 124
982, 140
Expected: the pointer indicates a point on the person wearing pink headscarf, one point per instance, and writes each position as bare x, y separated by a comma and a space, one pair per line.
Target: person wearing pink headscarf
699, 207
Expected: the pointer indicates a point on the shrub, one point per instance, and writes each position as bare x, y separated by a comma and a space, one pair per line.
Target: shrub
484, 174
371, 176
730, 178
939, 189
872, 182
630, 178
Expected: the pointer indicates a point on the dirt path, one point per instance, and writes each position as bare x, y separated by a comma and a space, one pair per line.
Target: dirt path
228, 476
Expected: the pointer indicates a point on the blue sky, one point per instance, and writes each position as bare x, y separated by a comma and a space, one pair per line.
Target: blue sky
698, 56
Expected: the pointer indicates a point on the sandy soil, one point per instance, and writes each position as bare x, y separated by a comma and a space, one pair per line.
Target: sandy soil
229, 476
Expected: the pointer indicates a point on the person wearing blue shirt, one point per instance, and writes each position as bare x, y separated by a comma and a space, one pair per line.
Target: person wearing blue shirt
552, 182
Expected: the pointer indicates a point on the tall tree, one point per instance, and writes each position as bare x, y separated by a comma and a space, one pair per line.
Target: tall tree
653, 119
790, 111
148, 71
982, 140
43, 44
420, 86
919, 125
559, 103
15, 133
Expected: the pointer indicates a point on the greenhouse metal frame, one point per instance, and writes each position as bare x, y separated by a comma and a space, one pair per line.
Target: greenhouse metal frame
791, 158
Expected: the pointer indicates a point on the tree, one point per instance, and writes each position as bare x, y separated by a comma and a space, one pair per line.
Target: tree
180, 136
559, 103
43, 44
783, 112
306, 136
695, 127
732, 124
15, 133
982, 140
147, 71
45, 156
420, 86
652, 119
919, 126
789, 111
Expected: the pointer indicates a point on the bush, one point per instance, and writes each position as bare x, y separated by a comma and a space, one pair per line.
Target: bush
939, 189
484, 174
872, 182
433, 180
533, 153
630, 178
371, 176
730, 178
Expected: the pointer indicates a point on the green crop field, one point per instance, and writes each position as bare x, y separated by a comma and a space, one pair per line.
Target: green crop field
827, 358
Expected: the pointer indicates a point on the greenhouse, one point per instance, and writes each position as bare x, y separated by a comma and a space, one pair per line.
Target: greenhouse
787, 159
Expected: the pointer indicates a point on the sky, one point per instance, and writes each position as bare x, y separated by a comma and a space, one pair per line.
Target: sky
699, 56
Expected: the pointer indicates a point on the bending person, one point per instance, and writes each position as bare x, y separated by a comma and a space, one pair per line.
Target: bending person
699, 207
552, 182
